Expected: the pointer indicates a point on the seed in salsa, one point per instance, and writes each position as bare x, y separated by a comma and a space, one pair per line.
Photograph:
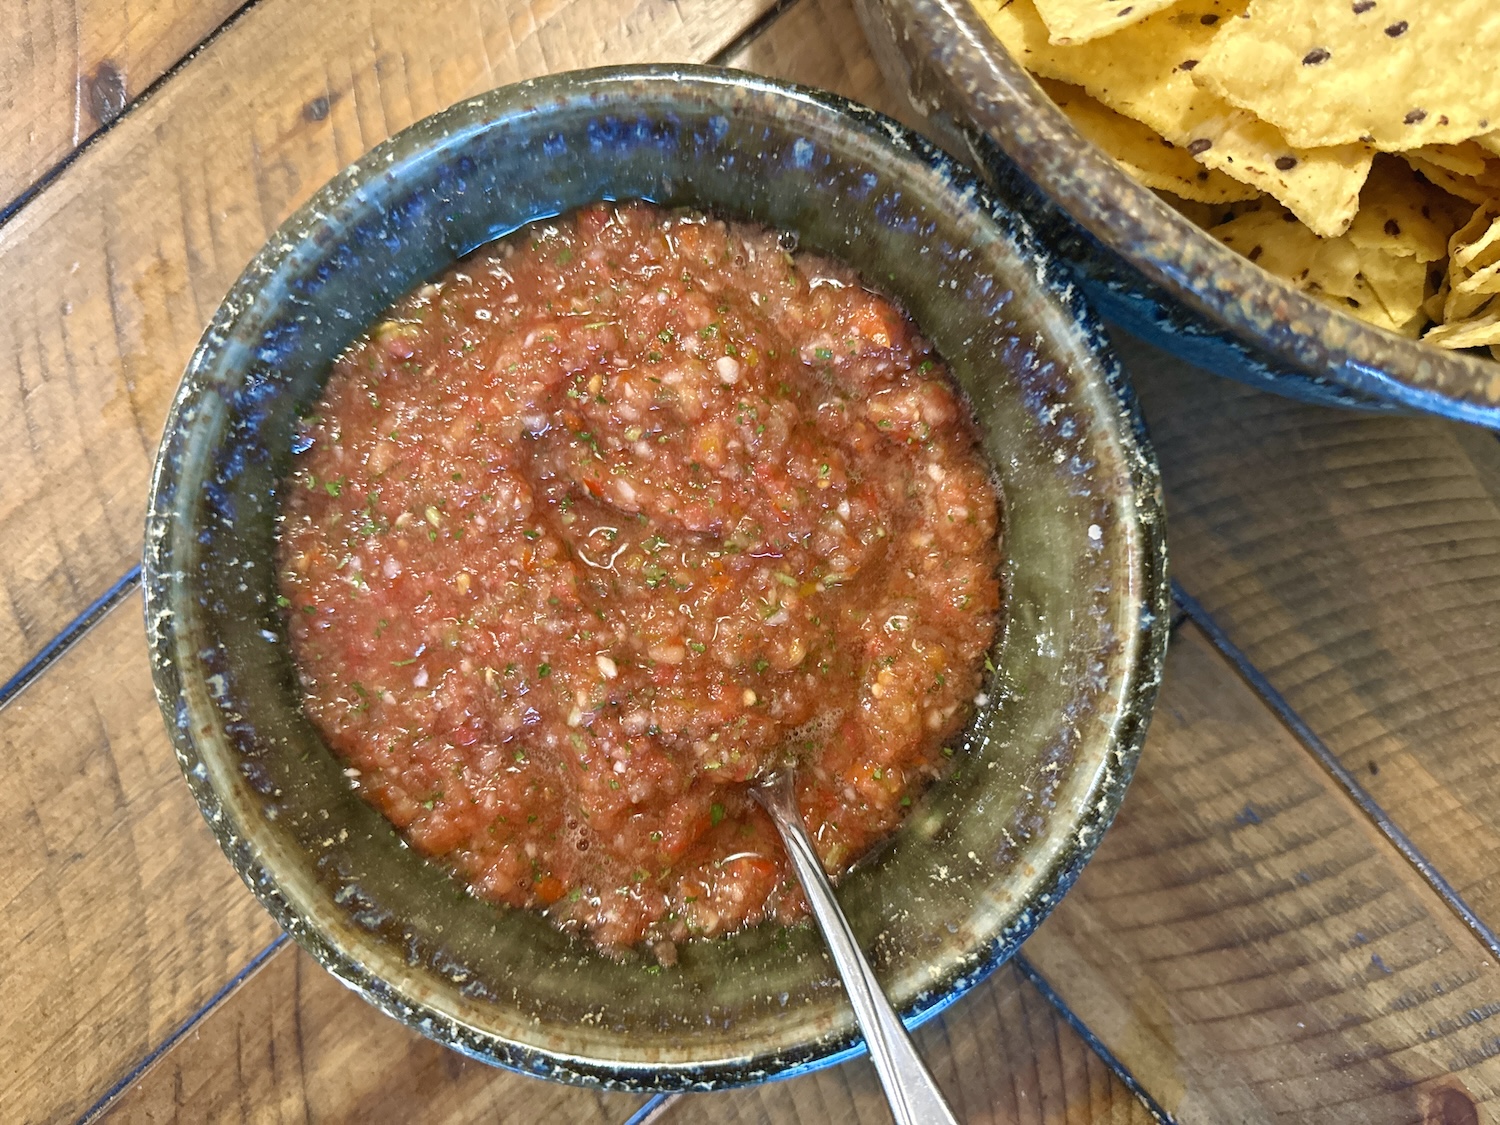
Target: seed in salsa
619, 514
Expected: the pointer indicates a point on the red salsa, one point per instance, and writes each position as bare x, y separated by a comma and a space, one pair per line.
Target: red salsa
618, 514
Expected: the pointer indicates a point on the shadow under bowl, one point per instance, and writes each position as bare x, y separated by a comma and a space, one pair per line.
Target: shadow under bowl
1142, 264
990, 848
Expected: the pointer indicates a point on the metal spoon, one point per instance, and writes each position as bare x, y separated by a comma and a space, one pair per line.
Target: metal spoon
913, 1096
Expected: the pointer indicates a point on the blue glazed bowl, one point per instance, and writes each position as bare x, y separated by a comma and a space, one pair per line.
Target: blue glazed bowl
1142, 264
985, 854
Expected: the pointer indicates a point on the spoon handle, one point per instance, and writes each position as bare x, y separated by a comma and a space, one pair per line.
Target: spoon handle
909, 1087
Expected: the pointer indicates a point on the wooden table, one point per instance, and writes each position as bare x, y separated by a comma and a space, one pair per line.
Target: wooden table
1294, 917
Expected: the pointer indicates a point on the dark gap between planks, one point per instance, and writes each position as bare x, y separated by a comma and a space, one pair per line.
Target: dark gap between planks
49, 177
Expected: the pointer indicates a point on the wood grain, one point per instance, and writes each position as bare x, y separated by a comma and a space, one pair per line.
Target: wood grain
68, 67
819, 43
109, 276
1251, 947
118, 915
292, 1044
1356, 561
1001, 1055
1245, 942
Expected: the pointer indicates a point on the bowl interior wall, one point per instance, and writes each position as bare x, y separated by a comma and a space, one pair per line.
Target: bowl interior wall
967, 876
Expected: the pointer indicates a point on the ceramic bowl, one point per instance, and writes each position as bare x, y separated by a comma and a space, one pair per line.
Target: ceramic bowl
1142, 264
985, 854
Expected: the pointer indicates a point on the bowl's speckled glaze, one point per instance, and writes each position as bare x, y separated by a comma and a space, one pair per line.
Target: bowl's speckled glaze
985, 854
1142, 264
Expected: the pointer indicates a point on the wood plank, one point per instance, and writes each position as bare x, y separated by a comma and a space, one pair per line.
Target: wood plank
118, 915
295, 1045
292, 1044
68, 67
1252, 949
1002, 1054
1356, 562
1245, 942
819, 43
109, 276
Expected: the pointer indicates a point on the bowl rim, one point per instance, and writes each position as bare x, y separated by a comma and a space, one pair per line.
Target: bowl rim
1150, 592
950, 40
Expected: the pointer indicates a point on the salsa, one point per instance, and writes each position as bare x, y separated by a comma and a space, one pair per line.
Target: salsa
616, 516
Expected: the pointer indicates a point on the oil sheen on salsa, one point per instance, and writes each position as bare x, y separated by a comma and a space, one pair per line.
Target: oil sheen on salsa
615, 516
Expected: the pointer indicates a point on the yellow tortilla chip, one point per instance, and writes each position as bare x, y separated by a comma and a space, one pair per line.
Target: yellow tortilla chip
1400, 284
1078, 21
1320, 186
1433, 305
1476, 331
1144, 153
1481, 283
1476, 244
1379, 288
1490, 142
1461, 186
1473, 266
1467, 159
1145, 72
1460, 306
1472, 188
1402, 214
1399, 74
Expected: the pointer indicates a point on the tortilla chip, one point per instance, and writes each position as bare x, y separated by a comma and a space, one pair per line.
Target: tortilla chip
1078, 21
1476, 244
1145, 72
1473, 265
1465, 187
1467, 159
1382, 289
1402, 214
1481, 283
1433, 305
1479, 330
1490, 142
1399, 74
1320, 186
1400, 284
1145, 154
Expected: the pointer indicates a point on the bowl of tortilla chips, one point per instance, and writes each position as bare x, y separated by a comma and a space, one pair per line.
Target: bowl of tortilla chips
1301, 194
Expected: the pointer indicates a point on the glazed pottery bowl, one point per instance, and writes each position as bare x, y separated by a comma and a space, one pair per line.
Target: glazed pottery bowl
985, 854
1141, 263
